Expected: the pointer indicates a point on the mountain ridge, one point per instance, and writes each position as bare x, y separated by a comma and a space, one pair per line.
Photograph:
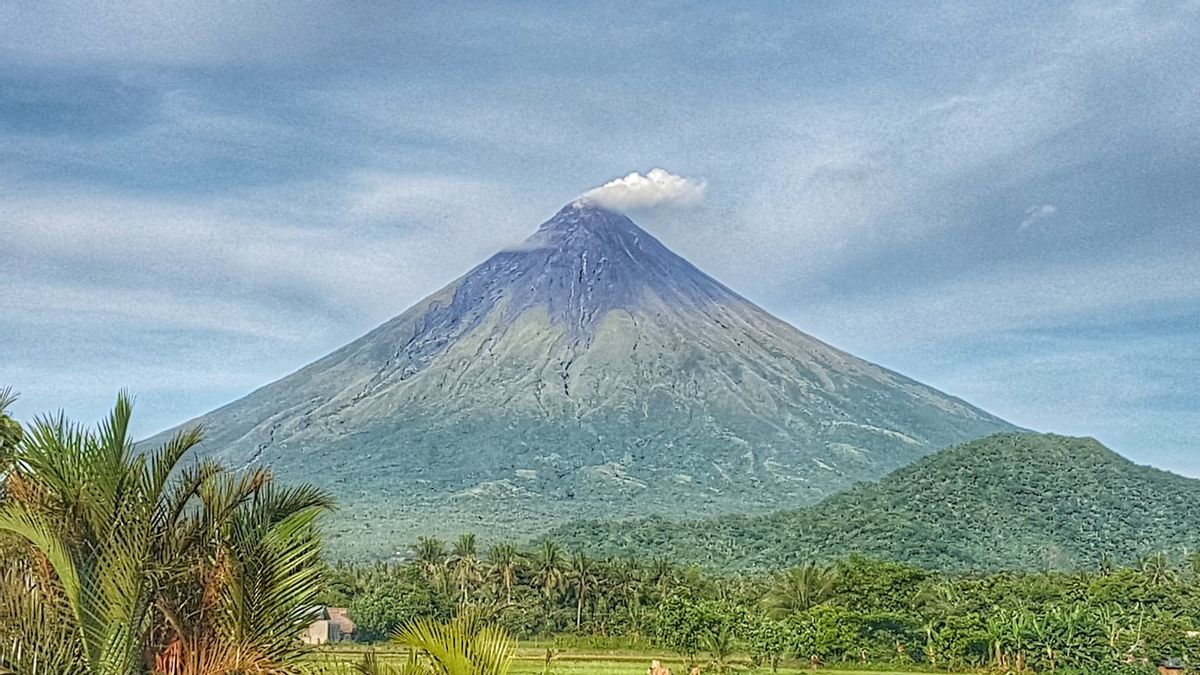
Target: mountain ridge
588, 369
1007, 501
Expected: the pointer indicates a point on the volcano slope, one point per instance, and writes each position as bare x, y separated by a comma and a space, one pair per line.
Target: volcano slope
588, 372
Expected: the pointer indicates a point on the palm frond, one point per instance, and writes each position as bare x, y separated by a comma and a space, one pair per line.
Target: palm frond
463, 646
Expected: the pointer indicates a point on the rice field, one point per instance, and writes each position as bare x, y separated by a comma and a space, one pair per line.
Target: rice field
532, 661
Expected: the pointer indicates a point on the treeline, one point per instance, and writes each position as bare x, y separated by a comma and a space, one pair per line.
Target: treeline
856, 611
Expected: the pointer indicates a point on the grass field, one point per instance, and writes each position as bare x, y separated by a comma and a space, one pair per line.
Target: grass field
531, 661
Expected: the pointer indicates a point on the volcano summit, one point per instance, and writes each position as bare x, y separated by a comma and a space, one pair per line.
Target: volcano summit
588, 372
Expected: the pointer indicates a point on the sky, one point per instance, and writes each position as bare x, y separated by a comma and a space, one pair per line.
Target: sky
197, 198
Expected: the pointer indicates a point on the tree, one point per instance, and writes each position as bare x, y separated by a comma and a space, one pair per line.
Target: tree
431, 555
504, 564
11, 432
799, 589
678, 626
381, 610
718, 640
548, 570
625, 578
1158, 570
661, 574
765, 638
466, 568
89, 507
826, 631
133, 563
260, 557
584, 576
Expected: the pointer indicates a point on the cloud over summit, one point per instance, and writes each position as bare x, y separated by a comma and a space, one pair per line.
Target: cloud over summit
658, 187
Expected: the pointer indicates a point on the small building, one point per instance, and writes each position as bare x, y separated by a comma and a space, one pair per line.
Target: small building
1171, 667
341, 616
323, 630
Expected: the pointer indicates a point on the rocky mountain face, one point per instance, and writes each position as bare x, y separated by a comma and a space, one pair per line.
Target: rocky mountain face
592, 372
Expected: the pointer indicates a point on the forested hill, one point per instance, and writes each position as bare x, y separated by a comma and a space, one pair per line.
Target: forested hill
1016, 500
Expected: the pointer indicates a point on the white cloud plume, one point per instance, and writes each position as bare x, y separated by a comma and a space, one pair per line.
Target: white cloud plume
1035, 214
658, 187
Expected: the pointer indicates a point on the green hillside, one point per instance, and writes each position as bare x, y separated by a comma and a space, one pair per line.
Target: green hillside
1014, 500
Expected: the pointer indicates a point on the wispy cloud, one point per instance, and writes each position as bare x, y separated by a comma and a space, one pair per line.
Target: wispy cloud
1036, 214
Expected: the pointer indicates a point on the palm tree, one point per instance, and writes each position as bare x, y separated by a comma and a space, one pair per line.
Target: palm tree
799, 589
10, 431
132, 562
465, 646
548, 570
1158, 570
583, 574
662, 574
261, 565
431, 556
88, 509
1193, 565
11, 434
504, 566
465, 560
625, 575
936, 601
718, 641
625, 578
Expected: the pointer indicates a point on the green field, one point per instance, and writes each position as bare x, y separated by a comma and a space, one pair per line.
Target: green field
531, 661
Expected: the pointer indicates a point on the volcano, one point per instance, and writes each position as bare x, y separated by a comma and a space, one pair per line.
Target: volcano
587, 372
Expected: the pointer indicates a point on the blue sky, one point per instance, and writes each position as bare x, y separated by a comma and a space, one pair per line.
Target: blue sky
199, 197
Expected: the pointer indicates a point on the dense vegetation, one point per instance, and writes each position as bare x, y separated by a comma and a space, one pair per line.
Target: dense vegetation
119, 562
856, 611
116, 561
1008, 501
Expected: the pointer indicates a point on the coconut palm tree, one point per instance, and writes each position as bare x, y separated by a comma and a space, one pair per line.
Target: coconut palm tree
465, 565
1158, 570
661, 574
547, 567
799, 589
625, 577
504, 565
431, 556
582, 571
